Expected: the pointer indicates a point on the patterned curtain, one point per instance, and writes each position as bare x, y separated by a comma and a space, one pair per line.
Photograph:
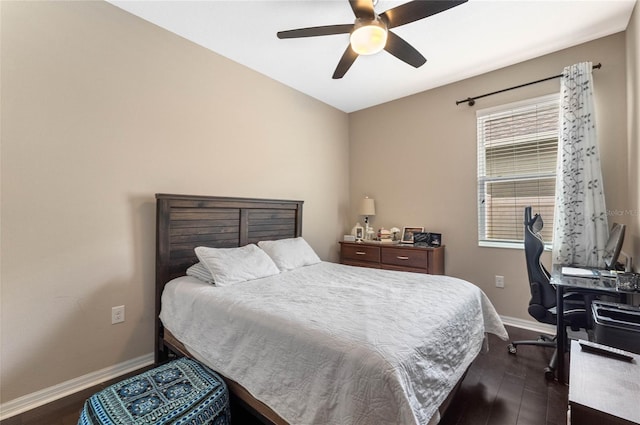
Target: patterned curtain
581, 228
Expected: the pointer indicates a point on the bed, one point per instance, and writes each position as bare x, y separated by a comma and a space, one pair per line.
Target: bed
324, 343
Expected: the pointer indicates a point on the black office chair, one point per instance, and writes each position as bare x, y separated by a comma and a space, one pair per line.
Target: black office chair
542, 305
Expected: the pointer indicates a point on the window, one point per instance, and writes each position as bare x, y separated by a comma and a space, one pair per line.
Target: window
517, 151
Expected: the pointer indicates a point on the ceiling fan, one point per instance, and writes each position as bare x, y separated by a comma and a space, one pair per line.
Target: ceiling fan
370, 33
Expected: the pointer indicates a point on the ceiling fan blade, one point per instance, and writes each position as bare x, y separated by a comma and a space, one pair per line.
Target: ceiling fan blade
416, 10
363, 9
403, 50
347, 59
316, 31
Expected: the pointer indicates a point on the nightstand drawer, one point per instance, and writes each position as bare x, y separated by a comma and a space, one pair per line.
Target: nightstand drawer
356, 252
395, 257
415, 258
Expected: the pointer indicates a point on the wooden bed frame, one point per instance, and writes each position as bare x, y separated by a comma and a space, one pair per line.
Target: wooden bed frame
184, 222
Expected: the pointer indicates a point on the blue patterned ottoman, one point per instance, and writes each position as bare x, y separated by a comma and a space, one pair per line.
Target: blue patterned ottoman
179, 392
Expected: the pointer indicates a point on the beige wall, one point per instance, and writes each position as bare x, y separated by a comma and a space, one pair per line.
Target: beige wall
100, 111
417, 157
633, 139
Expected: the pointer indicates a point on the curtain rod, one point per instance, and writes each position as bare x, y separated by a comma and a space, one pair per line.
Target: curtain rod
472, 100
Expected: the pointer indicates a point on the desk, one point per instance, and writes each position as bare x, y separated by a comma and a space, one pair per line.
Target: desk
601, 285
603, 391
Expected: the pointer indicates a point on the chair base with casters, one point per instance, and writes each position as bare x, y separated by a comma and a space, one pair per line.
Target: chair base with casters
542, 341
579, 323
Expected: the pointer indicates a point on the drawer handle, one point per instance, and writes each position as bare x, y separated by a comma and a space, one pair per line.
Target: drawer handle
360, 253
402, 257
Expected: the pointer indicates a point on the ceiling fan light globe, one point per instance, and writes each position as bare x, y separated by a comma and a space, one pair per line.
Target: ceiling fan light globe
368, 38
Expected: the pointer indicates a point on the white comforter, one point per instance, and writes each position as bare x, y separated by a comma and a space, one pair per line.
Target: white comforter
334, 344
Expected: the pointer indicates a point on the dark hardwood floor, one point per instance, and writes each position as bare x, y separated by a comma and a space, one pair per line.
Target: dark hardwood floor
499, 389
505, 389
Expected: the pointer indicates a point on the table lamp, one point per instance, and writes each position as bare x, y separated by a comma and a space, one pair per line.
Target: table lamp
367, 209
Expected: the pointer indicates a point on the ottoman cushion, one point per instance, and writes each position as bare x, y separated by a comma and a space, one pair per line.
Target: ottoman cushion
180, 392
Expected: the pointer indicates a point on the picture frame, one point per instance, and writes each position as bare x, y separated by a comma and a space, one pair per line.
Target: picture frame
425, 239
407, 233
435, 239
421, 239
359, 233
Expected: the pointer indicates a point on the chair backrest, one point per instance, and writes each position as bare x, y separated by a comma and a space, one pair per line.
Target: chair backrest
543, 294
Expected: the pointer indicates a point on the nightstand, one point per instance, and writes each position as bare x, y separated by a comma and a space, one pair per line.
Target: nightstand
602, 390
393, 257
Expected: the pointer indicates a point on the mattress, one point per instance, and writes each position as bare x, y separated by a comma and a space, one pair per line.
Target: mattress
336, 344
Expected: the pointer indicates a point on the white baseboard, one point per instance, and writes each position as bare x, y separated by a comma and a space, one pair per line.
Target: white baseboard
542, 328
47, 395
529, 324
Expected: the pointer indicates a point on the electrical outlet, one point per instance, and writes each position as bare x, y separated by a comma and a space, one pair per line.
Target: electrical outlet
499, 281
117, 314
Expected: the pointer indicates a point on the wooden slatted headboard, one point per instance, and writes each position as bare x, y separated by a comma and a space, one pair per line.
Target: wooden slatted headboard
184, 222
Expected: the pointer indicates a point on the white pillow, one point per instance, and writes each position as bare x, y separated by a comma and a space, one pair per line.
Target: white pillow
198, 270
289, 254
235, 265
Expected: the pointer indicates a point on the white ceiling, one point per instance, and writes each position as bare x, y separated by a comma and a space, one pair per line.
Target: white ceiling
467, 40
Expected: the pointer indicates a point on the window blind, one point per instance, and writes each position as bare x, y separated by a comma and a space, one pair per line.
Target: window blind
517, 152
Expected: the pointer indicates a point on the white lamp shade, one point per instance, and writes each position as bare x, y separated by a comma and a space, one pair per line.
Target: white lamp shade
368, 207
368, 38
